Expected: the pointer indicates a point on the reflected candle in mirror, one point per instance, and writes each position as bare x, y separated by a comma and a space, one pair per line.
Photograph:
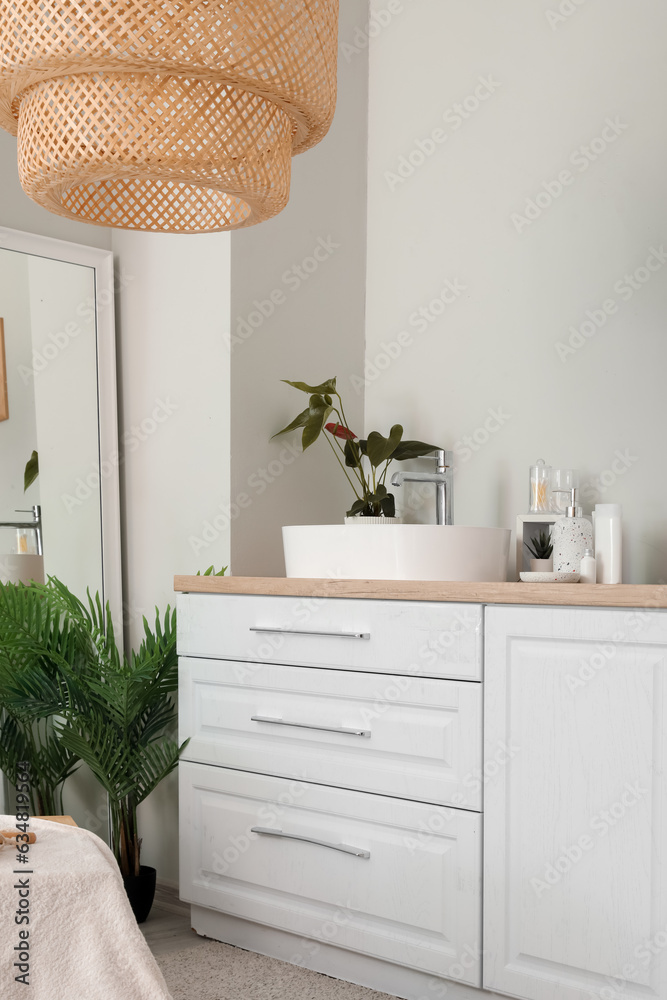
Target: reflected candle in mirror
26, 543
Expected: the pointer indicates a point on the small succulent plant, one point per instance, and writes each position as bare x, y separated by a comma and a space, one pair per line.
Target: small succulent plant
540, 547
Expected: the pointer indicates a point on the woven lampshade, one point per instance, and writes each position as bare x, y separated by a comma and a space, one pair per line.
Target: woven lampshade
177, 117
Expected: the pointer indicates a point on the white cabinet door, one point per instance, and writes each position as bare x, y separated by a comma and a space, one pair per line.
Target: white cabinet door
575, 846
411, 737
388, 637
394, 879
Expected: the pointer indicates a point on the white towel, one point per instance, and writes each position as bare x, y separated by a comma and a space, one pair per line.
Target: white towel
84, 942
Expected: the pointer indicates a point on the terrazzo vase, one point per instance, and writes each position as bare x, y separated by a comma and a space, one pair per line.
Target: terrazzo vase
571, 536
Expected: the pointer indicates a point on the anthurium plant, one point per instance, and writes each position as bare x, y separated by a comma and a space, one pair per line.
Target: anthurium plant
364, 461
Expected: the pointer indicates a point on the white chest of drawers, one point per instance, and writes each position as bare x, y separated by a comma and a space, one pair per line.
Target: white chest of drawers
335, 784
330, 795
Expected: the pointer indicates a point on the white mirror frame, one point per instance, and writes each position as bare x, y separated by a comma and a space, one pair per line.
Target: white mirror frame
101, 261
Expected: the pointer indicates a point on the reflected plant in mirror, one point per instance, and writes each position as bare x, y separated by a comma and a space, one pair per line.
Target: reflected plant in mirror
31, 471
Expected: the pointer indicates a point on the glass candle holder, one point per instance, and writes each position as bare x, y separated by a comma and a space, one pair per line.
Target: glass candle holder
561, 479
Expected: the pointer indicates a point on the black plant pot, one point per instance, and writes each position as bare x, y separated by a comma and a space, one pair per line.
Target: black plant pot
140, 891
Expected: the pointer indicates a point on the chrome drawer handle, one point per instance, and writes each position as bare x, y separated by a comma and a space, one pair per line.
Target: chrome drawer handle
366, 733
299, 631
357, 852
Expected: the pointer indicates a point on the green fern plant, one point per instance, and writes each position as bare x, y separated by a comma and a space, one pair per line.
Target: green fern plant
36, 642
124, 728
211, 571
115, 713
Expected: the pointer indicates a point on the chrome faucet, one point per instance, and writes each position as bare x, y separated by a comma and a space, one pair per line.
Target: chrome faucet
35, 524
442, 477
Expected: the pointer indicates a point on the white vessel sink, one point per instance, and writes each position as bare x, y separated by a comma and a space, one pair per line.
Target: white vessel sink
397, 552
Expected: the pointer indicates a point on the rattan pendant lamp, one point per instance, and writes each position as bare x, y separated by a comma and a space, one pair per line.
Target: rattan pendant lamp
169, 117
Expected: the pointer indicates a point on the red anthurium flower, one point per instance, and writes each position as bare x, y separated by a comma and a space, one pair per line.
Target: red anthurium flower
340, 432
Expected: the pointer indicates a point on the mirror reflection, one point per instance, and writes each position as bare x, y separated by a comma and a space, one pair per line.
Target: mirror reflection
49, 320
58, 425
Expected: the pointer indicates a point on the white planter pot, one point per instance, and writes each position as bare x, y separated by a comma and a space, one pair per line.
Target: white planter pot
373, 520
541, 565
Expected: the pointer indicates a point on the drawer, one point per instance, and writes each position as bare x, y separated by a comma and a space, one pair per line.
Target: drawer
396, 880
412, 737
388, 637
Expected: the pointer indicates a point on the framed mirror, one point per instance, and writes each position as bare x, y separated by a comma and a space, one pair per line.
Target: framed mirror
57, 314
58, 400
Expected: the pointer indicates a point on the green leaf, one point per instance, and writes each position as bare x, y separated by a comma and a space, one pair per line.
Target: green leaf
211, 571
31, 471
389, 505
299, 421
328, 386
318, 414
356, 507
352, 453
413, 449
380, 448
376, 446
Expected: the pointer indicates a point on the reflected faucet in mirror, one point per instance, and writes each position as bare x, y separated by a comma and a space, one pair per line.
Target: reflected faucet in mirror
35, 525
443, 480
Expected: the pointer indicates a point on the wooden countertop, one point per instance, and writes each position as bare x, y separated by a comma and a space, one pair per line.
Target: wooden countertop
64, 820
577, 594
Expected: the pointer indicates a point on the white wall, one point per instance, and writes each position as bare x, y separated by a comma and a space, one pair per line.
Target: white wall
173, 369
446, 206
312, 331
